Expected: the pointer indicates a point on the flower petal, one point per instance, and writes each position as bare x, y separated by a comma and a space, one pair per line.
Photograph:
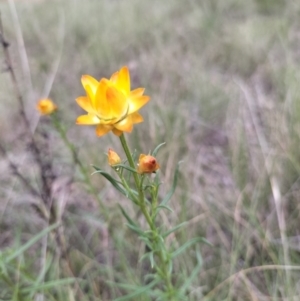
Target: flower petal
90, 95
100, 102
123, 81
117, 103
137, 92
89, 119
136, 117
125, 125
85, 103
117, 132
88, 80
135, 103
142, 156
102, 129
114, 77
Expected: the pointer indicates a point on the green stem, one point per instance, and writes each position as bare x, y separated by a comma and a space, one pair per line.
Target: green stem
138, 183
77, 161
142, 204
130, 159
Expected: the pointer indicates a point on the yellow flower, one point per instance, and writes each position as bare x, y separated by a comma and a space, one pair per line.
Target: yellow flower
147, 164
110, 104
46, 106
113, 158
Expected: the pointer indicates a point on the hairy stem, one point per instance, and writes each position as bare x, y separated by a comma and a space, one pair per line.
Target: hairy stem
162, 267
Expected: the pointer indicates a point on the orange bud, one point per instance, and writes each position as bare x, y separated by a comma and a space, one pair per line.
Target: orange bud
113, 158
147, 164
46, 106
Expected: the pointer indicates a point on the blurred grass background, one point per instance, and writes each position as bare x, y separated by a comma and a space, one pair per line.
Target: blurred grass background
223, 77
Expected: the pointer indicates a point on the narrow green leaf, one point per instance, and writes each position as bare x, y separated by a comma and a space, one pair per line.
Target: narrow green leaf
145, 187
128, 218
152, 260
134, 192
158, 208
154, 153
149, 255
112, 180
134, 155
31, 242
147, 241
104, 173
156, 182
174, 184
126, 167
189, 244
194, 273
138, 291
164, 207
174, 229
49, 285
135, 229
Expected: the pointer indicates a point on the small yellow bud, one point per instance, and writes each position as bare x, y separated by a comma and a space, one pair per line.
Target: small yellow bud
147, 164
113, 158
46, 106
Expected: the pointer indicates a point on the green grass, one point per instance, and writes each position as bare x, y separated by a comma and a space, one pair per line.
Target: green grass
223, 77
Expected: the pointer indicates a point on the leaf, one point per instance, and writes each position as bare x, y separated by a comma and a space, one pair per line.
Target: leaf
189, 280
145, 187
164, 207
174, 184
138, 291
132, 195
158, 208
189, 244
151, 258
48, 285
112, 180
134, 155
31, 242
147, 242
136, 229
130, 221
154, 153
125, 167
174, 229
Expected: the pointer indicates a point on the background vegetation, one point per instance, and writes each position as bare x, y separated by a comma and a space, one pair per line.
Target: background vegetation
223, 77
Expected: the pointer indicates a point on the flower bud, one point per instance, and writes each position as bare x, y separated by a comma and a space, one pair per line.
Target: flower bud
147, 164
113, 158
46, 106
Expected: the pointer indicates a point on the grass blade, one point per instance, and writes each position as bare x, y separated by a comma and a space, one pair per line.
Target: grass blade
31, 242
154, 153
174, 184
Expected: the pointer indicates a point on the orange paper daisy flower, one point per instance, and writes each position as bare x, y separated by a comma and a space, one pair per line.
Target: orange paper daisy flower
110, 104
113, 158
147, 164
46, 106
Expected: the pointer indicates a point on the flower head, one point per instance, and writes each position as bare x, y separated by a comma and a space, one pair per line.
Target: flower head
110, 104
147, 164
113, 158
46, 106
